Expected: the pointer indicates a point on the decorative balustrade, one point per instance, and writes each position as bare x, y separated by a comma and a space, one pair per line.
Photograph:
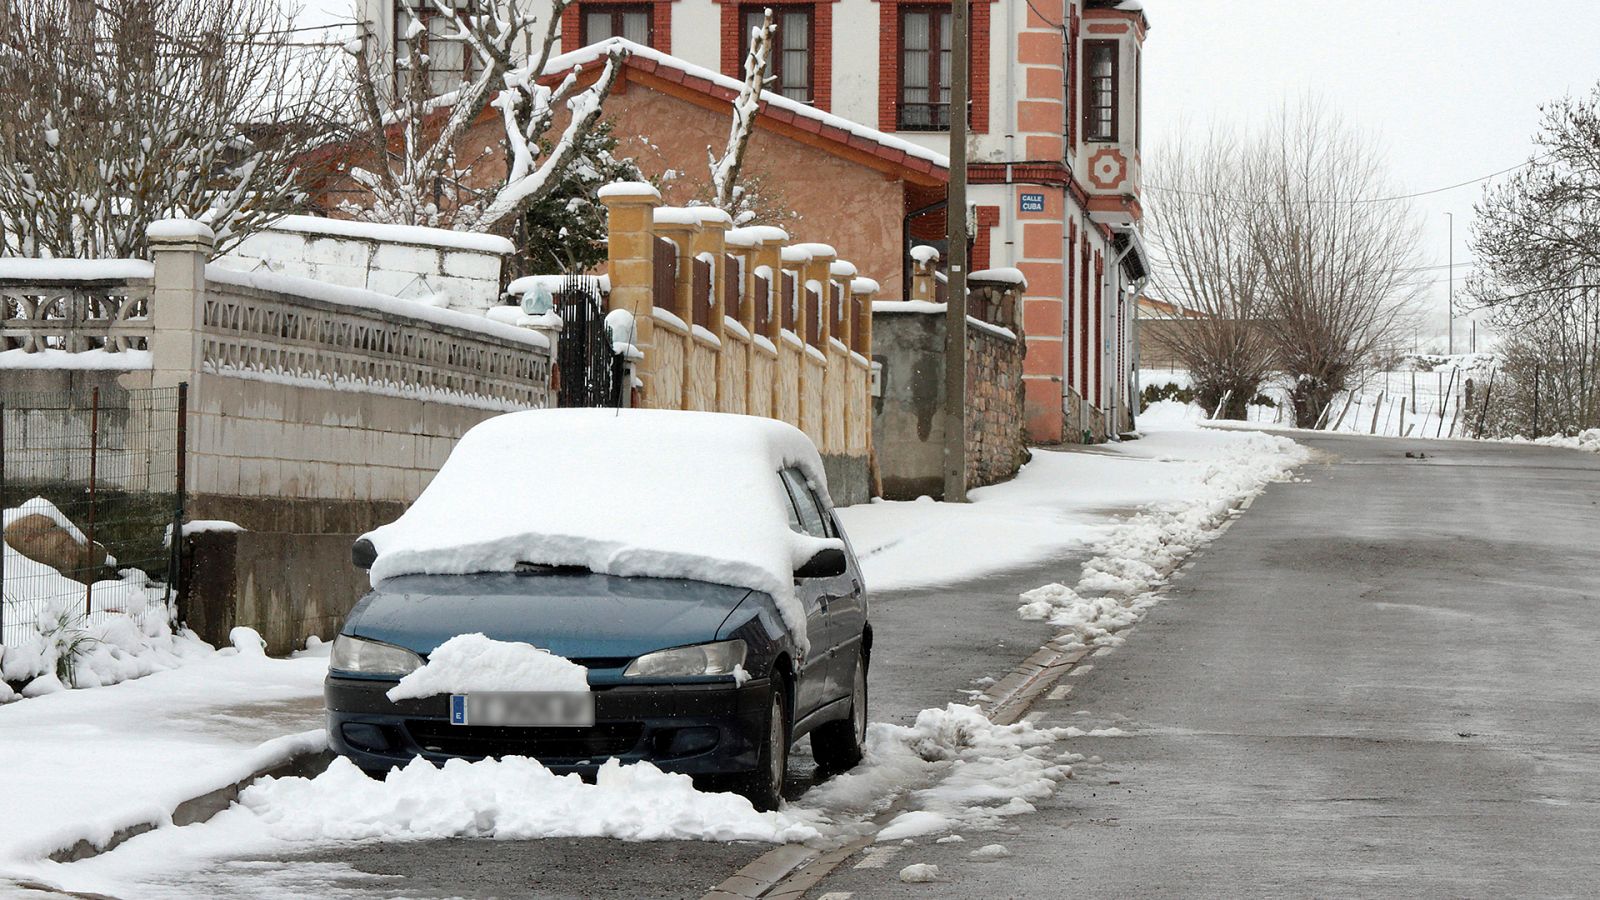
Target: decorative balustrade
252, 332
74, 305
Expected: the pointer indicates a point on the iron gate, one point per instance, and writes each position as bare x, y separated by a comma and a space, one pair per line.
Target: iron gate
589, 372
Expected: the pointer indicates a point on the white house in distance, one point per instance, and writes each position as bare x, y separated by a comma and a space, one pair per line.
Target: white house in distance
1054, 152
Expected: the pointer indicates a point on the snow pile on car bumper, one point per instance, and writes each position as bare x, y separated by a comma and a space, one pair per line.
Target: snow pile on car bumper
621, 492
474, 662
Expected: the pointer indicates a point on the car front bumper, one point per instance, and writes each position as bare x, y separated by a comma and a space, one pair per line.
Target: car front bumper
694, 729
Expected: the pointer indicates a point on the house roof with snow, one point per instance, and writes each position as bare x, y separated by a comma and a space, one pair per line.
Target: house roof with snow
666, 73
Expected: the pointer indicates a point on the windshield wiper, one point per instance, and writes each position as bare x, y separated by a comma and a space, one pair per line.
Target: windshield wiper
533, 568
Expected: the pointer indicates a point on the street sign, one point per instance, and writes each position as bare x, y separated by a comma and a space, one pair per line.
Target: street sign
1033, 203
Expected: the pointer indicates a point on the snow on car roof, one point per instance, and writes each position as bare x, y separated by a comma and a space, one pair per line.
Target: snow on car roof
622, 492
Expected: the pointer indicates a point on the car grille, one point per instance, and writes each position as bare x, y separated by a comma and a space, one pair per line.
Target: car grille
541, 743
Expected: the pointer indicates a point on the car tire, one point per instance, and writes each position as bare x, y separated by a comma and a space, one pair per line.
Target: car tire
764, 786
838, 745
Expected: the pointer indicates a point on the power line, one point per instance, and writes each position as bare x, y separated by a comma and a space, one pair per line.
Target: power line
1356, 202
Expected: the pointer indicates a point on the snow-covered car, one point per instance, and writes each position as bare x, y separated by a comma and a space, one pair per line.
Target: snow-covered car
690, 563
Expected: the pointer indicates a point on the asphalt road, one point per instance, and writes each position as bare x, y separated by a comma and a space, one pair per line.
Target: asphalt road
1384, 681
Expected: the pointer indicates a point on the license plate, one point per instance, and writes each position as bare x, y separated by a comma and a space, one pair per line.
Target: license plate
566, 709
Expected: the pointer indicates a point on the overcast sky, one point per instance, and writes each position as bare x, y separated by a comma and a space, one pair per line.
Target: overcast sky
1453, 86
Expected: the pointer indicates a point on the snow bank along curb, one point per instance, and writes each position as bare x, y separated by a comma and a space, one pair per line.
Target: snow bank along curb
303, 755
1120, 583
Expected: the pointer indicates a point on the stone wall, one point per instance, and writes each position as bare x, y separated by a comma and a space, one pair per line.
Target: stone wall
909, 420
448, 269
996, 439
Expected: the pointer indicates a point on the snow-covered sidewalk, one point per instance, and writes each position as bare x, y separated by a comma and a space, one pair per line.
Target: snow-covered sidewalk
82, 765
1061, 503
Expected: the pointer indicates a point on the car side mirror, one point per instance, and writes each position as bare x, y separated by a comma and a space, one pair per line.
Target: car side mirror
363, 554
829, 563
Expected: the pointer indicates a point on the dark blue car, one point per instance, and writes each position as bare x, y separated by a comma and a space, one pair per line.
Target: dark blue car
700, 678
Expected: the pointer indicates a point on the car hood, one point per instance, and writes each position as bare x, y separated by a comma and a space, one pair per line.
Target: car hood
600, 620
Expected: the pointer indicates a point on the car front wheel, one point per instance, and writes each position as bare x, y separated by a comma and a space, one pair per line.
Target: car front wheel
764, 786
838, 745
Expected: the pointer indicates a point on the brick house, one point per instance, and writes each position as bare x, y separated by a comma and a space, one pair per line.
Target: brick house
1054, 150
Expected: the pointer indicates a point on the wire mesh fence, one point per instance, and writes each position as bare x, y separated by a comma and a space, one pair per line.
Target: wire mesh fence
91, 486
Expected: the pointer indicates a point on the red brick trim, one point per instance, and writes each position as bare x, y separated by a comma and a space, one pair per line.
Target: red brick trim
821, 48
988, 218
889, 63
1049, 172
660, 25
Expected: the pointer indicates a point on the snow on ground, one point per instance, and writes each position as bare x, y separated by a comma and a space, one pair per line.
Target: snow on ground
60, 633
1133, 558
963, 771
1588, 439
1061, 502
79, 765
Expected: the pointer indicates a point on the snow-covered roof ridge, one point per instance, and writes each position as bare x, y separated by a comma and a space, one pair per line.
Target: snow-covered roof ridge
394, 234
597, 51
652, 493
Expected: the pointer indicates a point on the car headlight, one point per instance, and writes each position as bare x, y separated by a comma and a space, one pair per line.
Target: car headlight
359, 655
701, 659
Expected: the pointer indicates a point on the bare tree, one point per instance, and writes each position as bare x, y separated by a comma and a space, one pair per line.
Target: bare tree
1336, 256
415, 132
1209, 265
726, 192
122, 112
1536, 239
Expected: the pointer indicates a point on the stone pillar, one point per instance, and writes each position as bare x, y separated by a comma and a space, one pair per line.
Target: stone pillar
820, 270
863, 289
769, 254
179, 249
630, 261
712, 239
924, 262
841, 273
672, 225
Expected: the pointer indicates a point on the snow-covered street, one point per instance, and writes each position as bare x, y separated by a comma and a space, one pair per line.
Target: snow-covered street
947, 582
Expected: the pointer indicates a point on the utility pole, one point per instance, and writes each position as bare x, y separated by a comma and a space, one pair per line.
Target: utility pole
955, 216
1450, 308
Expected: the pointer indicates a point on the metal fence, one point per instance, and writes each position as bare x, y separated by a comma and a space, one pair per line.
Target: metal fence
91, 484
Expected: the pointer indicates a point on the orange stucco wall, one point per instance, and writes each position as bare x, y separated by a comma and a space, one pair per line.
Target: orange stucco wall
850, 206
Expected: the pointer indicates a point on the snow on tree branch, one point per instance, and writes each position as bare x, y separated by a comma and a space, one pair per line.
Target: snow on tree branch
725, 171
535, 104
420, 160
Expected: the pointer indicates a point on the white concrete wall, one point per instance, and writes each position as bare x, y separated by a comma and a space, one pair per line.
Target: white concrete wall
410, 263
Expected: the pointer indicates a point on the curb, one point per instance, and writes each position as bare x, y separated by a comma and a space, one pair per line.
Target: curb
199, 809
